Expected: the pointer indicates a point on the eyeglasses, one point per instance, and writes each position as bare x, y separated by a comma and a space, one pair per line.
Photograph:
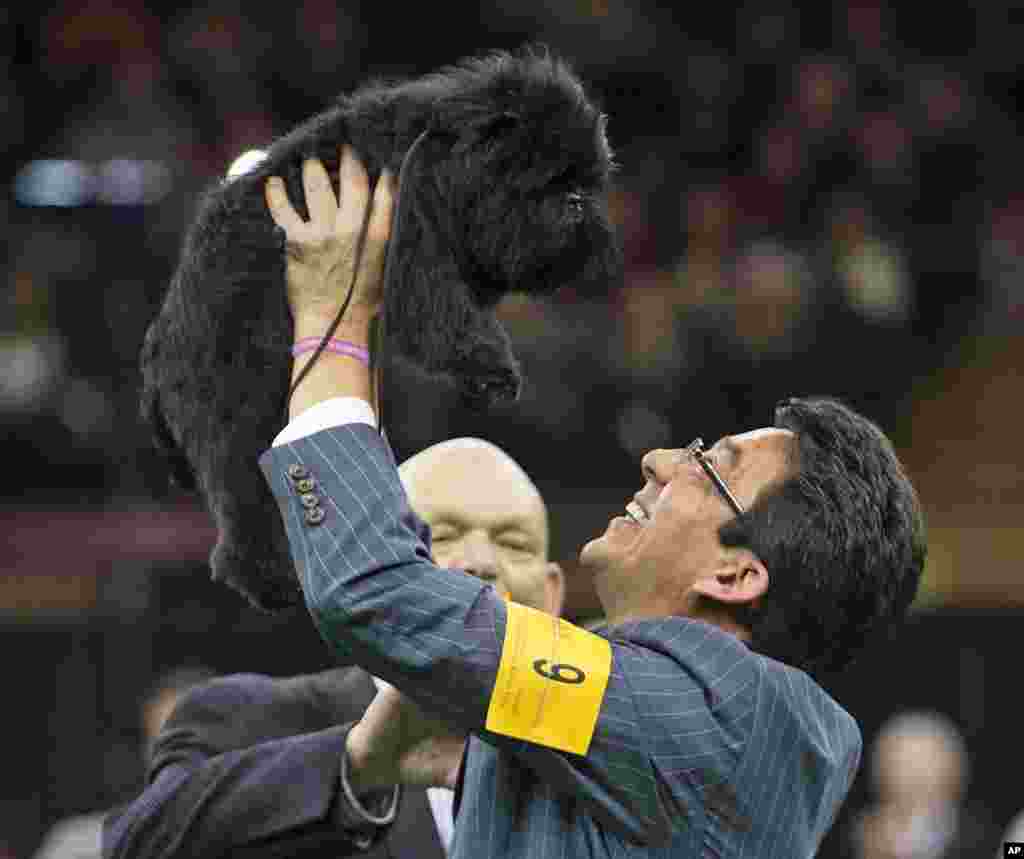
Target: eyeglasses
696, 449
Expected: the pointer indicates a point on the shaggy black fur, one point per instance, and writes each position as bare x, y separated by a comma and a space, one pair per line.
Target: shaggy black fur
504, 192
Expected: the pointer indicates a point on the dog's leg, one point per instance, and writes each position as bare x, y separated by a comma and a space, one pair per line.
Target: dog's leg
432, 319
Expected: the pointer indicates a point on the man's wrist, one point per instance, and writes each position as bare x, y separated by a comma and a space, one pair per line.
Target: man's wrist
363, 770
360, 811
355, 328
330, 376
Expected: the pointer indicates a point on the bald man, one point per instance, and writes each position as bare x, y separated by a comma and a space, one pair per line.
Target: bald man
486, 517
252, 765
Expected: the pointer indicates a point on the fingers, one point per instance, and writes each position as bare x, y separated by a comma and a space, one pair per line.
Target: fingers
379, 227
281, 208
320, 199
343, 215
354, 193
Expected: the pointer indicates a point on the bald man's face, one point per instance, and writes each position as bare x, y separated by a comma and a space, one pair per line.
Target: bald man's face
487, 518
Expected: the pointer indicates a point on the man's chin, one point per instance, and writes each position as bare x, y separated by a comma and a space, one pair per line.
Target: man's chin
596, 555
621, 532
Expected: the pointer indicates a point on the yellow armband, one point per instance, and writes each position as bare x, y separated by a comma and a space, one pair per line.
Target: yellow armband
551, 681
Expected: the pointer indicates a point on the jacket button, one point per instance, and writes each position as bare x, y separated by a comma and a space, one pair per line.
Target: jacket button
309, 500
315, 515
297, 472
307, 484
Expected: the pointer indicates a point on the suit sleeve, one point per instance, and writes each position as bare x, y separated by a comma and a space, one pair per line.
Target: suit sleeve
210, 794
437, 635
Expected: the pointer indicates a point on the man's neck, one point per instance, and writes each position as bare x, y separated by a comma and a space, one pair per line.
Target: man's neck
710, 614
717, 614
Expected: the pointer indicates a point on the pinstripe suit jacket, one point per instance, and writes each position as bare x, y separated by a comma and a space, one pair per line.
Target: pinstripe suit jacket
702, 747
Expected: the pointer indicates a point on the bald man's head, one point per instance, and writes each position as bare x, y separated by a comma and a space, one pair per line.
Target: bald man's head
486, 517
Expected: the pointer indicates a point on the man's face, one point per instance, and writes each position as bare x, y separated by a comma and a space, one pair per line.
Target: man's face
646, 567
486, 518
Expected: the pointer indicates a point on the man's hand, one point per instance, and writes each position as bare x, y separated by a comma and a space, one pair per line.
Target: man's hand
321, 251
397, 743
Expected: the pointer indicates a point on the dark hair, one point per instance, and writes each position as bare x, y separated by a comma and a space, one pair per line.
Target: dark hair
842, 537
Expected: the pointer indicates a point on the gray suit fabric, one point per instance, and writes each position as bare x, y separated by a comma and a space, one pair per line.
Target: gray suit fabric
703, 748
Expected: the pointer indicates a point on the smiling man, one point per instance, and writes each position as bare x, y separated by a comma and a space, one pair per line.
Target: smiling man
664, 556
691, 725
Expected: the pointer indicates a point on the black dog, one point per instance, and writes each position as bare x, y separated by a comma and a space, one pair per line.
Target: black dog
503, 163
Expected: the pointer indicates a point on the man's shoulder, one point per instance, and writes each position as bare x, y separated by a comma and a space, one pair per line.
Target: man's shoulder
682, 639
803, 692
791, 694
698, 652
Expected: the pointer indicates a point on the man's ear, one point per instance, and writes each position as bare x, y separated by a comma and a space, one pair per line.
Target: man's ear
744, 579
554, 589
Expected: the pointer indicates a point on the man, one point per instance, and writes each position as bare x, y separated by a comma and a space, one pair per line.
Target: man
253, 765
672, 731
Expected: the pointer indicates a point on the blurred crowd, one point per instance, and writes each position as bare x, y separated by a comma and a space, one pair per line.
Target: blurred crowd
808, 202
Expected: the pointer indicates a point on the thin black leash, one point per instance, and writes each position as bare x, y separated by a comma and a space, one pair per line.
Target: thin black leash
378, 325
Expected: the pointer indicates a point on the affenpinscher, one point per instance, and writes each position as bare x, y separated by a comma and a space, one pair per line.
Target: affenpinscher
503, 163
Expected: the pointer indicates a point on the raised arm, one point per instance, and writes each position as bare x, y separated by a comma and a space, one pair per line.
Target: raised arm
583, 711
320, 269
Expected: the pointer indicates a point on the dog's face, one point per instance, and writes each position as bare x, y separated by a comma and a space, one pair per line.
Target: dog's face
530, 177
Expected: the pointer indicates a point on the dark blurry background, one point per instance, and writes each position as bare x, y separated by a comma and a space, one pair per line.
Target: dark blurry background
813, 198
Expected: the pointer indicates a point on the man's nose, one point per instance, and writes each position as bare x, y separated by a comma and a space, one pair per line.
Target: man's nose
477, 557
659, 465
